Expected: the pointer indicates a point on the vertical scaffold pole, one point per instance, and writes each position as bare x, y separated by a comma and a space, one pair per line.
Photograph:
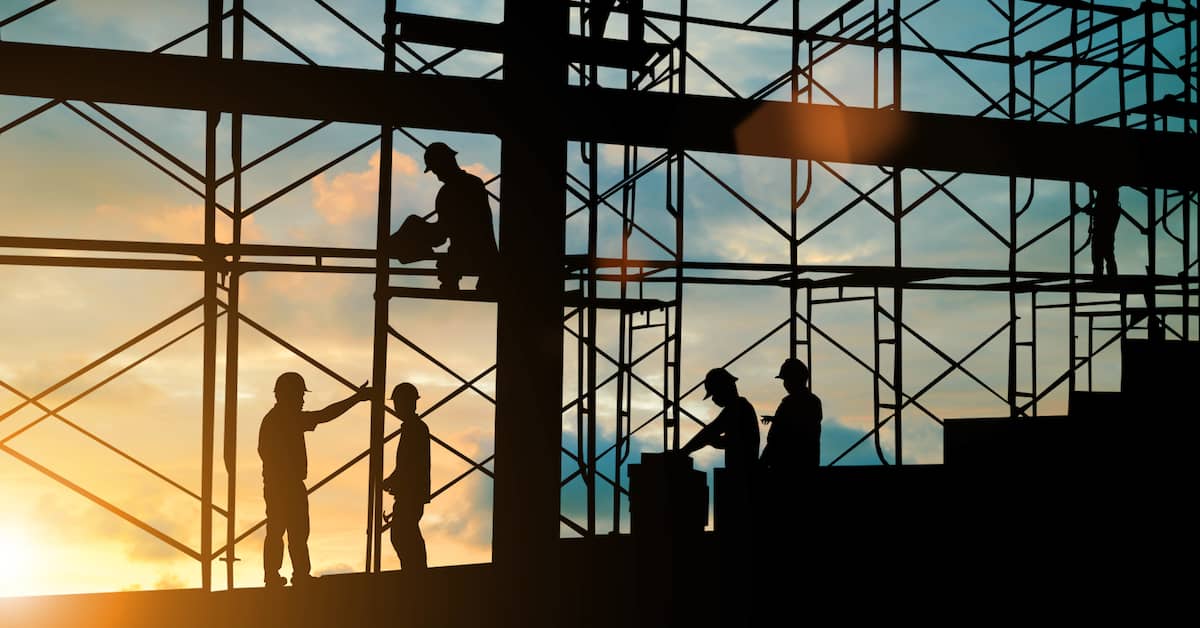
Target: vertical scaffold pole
897, 212
231, 319
680, 196
208, 395
380, 342
1012, 222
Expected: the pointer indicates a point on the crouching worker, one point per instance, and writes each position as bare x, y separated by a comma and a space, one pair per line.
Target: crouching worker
464, 217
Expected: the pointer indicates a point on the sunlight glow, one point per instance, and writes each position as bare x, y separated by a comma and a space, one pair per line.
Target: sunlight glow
19, 559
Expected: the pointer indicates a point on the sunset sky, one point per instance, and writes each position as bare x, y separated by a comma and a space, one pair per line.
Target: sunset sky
62, 177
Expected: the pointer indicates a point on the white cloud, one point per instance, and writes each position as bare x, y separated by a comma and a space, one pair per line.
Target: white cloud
183, 223
350, 196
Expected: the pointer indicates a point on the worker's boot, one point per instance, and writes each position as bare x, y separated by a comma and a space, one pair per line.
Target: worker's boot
302, 580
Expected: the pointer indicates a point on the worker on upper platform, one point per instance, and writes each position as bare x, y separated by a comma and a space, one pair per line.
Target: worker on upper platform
464, 217
1105, 210
409, 481
285, 467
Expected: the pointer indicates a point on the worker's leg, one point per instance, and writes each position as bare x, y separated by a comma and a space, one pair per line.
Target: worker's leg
396, 532
273, 543
1097, 258
297, 530
448, 273
406, 535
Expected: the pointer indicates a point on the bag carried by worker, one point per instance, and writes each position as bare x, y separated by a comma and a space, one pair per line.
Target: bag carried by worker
413, 241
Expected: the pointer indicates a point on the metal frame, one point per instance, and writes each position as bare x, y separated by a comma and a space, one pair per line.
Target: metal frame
1099, 44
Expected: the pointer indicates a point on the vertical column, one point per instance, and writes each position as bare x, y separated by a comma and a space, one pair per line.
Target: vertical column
1189, 97
1072, 294
1153, 327
793, 253
679, 253
380, 342
897, 211
592, 310
1189, 93
529, 315
1012, 219
232, 323
211, 259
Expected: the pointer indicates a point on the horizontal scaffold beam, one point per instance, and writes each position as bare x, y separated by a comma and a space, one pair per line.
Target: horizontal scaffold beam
703, 123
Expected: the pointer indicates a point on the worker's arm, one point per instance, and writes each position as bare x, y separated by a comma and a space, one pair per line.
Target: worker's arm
389, 483
711, 434
337, 409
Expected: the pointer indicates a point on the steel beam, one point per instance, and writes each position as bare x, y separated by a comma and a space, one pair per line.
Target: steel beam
704, 123
529, 342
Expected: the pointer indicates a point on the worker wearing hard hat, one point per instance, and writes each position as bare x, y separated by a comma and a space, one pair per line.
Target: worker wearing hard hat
285, 467
409, 482
794, 440
464, 217
735, 429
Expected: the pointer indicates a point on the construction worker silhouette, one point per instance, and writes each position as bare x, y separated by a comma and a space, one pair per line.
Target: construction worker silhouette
794, 439
285, 467
409, 482
464, 217
735, 429
1105, 210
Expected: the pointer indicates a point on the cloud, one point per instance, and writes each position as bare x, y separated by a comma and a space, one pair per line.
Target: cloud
168, 580
182, 223
336, 568
350, 196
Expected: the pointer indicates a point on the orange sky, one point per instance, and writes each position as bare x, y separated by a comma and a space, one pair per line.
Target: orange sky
59, 177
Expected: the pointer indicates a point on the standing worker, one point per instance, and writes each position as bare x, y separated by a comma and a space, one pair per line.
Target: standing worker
1105, 210
409, 482
794, 440
285, 467
464, 218
736, 431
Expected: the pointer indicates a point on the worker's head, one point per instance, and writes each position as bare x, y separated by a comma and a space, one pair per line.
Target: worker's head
721, 386
404, 399
794, 374
290, 389
440, 160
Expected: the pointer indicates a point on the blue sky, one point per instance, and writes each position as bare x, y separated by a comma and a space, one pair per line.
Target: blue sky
60, 177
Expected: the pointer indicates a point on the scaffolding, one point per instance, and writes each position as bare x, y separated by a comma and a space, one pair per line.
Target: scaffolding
1148, 50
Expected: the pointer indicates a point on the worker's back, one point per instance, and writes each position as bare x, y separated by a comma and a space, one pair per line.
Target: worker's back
466, 216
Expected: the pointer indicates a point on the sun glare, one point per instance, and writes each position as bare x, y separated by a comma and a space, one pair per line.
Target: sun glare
17, 560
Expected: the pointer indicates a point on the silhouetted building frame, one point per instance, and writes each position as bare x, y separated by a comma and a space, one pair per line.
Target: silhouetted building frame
1098, 44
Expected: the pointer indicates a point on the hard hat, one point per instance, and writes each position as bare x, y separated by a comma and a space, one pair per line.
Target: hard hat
405, 390
438, 151
793, 369
290, 381
716, 377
